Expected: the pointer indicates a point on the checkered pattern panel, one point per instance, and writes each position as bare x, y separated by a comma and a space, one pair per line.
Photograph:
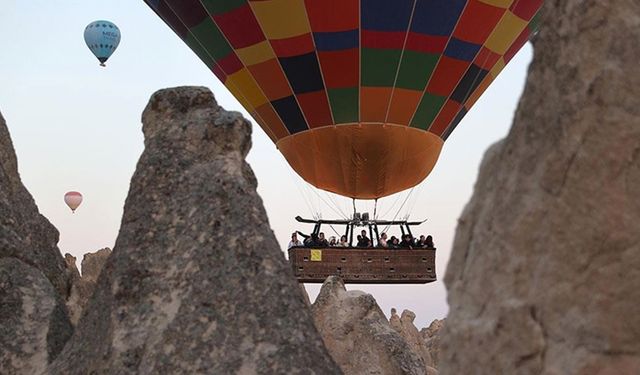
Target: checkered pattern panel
296, 65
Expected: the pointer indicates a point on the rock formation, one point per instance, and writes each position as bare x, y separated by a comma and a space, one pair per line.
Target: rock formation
434, 329
432, 337
92, 264
33, 321
24, 233
197, 282
405, 327
82, 287
305, 295
358, 335
545, 268
33, 280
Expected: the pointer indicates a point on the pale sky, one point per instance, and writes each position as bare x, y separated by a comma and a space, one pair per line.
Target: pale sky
76, 126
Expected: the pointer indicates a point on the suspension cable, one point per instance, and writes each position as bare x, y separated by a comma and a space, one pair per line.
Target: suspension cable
336, 205
328, 205
354, 207
399, 209
398, 196
375, 209
305, 198
335, 231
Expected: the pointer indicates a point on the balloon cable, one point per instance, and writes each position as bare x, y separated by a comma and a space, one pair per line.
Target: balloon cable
398, 196
400, 208
354, 207
336, 205
328, 205
300, 188
335, 231
375, 209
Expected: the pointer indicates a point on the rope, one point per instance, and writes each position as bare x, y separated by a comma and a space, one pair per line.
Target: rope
398, 196
328, 205
335, 231
354, 207
344, 215
375, 209
416, 197
304, 196
398, 212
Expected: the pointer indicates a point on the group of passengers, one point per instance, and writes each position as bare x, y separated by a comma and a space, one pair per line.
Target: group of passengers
406, 241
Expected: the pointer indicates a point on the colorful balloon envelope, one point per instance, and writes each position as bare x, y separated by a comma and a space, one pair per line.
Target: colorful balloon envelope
102, 38
73, 199
358, 95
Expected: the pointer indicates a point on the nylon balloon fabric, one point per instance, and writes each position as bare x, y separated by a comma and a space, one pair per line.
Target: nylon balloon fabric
358, 95
73, 199
102, 38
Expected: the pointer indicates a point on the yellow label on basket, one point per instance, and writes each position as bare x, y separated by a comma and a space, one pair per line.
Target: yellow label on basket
316, 255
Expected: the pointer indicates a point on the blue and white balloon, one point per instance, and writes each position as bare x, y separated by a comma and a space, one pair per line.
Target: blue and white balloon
102, 38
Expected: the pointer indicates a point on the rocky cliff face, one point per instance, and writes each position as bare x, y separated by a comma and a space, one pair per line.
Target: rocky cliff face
33, 279
82, 286
404, 326
432, 337
33, 320
24, 233
545, 268
197, 282
358, 335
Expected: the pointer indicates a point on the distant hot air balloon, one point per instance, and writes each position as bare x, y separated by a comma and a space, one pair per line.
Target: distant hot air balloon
102, 38
73, 200
358, 95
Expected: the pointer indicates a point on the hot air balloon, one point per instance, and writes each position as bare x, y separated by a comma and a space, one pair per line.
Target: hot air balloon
102, 38
358, 95
73, 199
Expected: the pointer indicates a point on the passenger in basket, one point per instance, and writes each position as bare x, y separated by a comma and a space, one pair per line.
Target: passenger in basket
393, 242
383, 240
332, 241
309, 241
428, 243
406, 243
322, 242
363, 240
343, 242
307, 238
421, 241
295, 242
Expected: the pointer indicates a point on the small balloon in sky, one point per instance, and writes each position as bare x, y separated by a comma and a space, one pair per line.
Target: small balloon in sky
102, 38
73, 199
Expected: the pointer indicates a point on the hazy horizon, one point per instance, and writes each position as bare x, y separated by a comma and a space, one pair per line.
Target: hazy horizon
76, 126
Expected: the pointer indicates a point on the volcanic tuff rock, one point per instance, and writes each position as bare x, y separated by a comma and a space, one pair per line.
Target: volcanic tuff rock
33, 321
197, 282
82, 287
73, 301
545, 268
33, 280
358, 335
432, 337
404, 326
434, 329
92, 264
305, 295
24, 233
